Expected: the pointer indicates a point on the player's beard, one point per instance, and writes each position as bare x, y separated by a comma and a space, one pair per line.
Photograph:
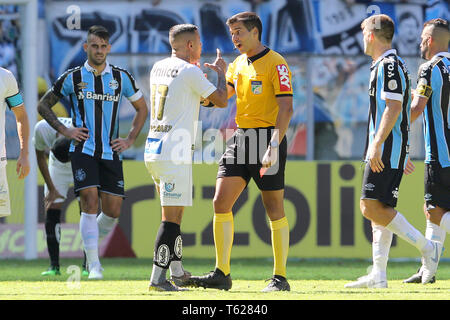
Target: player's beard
423, 53
98, 61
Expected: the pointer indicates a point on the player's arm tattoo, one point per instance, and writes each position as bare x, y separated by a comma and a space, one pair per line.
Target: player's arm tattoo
45, 110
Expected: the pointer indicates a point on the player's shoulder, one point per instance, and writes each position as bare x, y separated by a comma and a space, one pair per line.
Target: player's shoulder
426, 68
68, 72
121, 70
6, 74
275, 56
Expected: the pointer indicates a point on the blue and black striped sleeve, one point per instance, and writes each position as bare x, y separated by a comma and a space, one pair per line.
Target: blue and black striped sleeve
63, 86
129, 87
392, 80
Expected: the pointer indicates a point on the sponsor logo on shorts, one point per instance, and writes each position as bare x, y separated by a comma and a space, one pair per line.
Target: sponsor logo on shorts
169, 187
178, 247
120, 184
168, 191
163, 255
369, 187
3, 203
395, 193
80, 175
428, 197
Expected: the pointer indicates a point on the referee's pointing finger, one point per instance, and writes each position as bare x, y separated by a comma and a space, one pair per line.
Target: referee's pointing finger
219, 54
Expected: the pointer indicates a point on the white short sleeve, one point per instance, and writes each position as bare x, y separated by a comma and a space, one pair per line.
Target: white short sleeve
198, 82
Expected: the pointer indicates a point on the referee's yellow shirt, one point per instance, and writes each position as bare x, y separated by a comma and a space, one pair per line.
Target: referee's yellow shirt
257, 81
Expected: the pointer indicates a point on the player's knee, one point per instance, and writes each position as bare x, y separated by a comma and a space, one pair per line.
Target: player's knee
220, 205
367, 209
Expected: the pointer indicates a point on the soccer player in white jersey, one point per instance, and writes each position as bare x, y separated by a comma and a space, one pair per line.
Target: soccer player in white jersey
177, 85
11, 97
58, 178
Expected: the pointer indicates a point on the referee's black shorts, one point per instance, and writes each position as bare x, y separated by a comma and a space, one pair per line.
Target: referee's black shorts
437, 185
382, 186
243, 156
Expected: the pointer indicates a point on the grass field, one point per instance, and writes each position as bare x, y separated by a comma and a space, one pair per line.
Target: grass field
127, 279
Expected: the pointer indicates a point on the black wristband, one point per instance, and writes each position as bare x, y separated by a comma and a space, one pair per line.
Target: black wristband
210, 105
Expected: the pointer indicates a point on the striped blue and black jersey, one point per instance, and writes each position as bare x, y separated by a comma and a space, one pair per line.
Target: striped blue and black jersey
95, 102
433, 82
389, 79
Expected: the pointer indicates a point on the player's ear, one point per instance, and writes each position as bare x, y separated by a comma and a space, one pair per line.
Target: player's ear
109, 48
85, 46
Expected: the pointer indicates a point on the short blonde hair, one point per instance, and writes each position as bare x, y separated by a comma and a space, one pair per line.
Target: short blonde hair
381, 25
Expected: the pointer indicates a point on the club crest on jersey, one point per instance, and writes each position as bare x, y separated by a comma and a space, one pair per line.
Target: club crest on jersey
256, 87
113, 84
283, 77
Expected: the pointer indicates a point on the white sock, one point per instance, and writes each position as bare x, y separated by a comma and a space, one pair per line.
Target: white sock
381, 243
105, 225
401, 227
445, 222
158, 275
89, 235
176, 268
435, 232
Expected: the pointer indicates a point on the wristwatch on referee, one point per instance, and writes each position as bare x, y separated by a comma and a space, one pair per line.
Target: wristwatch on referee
273, 144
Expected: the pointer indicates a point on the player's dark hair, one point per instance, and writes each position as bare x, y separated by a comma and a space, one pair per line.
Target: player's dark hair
179, 29
99, 31
60, 149
381, 25
437, 23
249, 19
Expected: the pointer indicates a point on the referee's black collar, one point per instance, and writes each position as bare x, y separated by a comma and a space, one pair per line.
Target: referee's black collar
259, 55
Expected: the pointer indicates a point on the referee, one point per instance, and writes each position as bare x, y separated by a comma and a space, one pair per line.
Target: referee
261, 80
95, 90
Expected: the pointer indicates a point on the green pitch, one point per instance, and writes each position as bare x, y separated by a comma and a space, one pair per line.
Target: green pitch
128, 279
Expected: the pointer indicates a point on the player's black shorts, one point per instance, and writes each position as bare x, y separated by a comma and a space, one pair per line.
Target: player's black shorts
243, 156
437, 185
88, 171
382, 186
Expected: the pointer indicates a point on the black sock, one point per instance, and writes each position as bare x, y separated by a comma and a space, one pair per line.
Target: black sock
53, 233
164, 251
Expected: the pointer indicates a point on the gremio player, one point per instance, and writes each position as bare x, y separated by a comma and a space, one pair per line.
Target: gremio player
386, 154
432, 98
177, 85
95, 90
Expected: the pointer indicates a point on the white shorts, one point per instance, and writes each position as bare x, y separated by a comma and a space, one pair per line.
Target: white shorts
174, 181
5, 205
62, 177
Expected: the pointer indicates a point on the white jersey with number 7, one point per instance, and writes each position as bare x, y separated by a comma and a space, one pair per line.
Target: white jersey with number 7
176, 87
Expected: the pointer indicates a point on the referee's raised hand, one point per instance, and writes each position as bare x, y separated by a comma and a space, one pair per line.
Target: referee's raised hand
219, 64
